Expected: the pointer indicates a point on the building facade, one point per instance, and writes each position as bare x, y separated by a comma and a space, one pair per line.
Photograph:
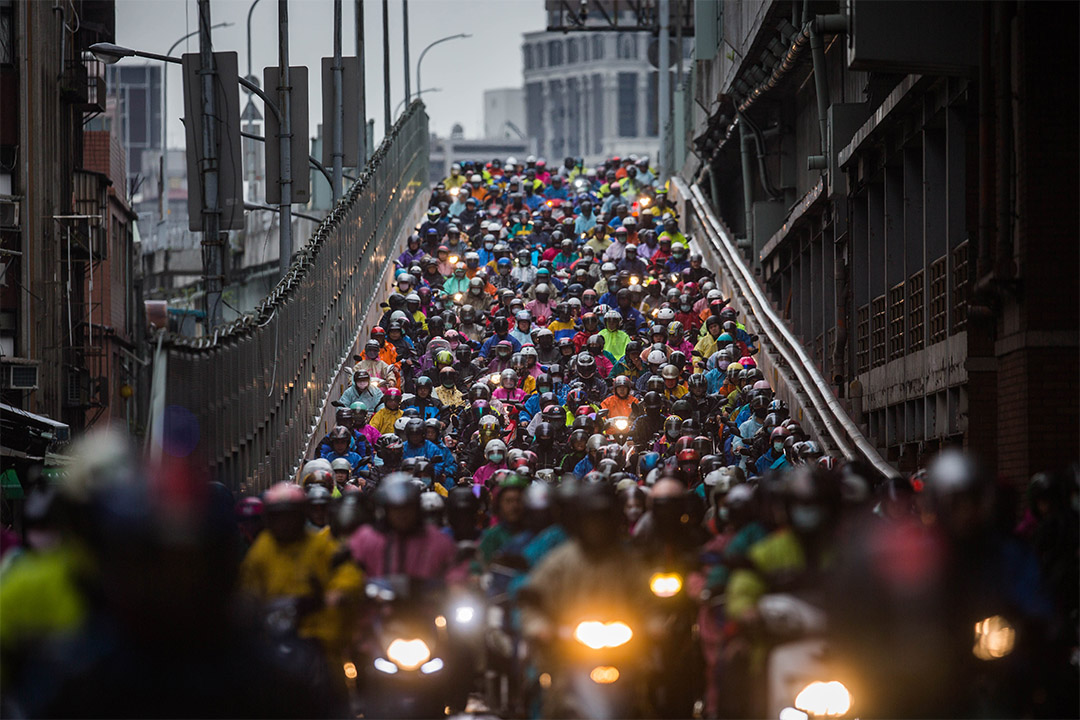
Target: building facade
590, 95
909, 207
68, 293
504, 113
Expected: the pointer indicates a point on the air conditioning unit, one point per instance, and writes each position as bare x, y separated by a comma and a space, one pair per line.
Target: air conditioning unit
9, 212
19, 377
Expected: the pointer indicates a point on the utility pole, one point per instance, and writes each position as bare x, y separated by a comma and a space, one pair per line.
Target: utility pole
339, 106
212, 240
664, 89
361, 160
386, 63
405, 34
284, 140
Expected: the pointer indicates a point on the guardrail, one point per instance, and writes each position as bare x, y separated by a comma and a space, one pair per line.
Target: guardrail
247, 399
828, 418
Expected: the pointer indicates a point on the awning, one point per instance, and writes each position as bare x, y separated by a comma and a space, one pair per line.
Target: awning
24, 434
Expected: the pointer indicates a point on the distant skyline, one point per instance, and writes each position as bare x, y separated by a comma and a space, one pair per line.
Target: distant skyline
463, 68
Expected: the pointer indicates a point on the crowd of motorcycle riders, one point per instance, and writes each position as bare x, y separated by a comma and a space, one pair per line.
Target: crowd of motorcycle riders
558, 486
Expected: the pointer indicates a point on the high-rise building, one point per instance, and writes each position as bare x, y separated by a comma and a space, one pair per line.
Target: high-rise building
590, 95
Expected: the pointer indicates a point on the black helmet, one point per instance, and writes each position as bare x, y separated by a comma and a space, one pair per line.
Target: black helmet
389, 448
586, 365
414, 427
398, 490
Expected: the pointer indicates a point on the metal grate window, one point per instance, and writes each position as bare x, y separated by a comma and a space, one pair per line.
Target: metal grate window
916, 310
862, 339
938, 301
877, 331
896, 321
960, 278
830, 348
818, 350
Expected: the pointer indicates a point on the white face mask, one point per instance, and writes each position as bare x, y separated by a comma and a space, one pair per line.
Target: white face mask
806, 517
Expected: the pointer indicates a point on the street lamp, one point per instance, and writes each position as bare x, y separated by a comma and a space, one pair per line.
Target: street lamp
416, 94
424, 52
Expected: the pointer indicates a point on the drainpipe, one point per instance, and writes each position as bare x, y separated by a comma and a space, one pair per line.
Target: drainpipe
748, 187
1003, 265
832, 24
821, 89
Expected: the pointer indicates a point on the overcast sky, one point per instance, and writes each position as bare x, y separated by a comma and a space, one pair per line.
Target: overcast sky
463, 68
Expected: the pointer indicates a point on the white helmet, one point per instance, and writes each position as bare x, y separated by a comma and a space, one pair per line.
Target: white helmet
399, 425
493, 447
340, 464
431, 502
315, 466
510, 162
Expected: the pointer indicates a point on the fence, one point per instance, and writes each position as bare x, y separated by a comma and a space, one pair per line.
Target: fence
246, 399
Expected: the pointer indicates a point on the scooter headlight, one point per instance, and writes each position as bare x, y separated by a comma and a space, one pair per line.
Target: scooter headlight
598, 635
408, 654
665, 585
464, 614
494, 378
994, 638
824, 699
621, 424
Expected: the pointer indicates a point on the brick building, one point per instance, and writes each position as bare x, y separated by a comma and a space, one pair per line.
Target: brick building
903, 177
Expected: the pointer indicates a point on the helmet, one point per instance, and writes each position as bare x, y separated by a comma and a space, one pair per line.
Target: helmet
670, 372
340, 464
249, 507
398, 490
318, 495
586, 365
284, 496
414, 426
495, 449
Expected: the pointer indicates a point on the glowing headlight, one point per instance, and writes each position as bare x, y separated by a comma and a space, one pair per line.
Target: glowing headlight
994, 638
464, 614
674, 278
350, 670
408, 654
634, 279
453, 259
458, 297
597, 635
454, 191
824, 699
604, 674
665, 585
644, 201
621, 424
494, 379
432, 666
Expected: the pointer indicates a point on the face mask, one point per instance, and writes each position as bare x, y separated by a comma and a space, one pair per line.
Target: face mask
495, 458
806, 517
723, 513
633, 514
778, 447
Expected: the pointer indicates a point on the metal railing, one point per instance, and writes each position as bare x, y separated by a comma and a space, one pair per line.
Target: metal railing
246, 399
837, 430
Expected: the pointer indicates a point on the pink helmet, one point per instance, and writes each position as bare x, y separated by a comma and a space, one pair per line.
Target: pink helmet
393, 393
284, 494
747, 362
249, 507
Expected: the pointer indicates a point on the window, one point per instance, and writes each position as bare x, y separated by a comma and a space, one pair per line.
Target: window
628, 104
597, 47
652, 122
627, 46
528, 57
555, 52
7, 34
540, 55
571, 52
597, 112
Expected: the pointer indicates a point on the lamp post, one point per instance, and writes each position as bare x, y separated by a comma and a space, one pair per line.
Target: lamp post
423, 52
416, 94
